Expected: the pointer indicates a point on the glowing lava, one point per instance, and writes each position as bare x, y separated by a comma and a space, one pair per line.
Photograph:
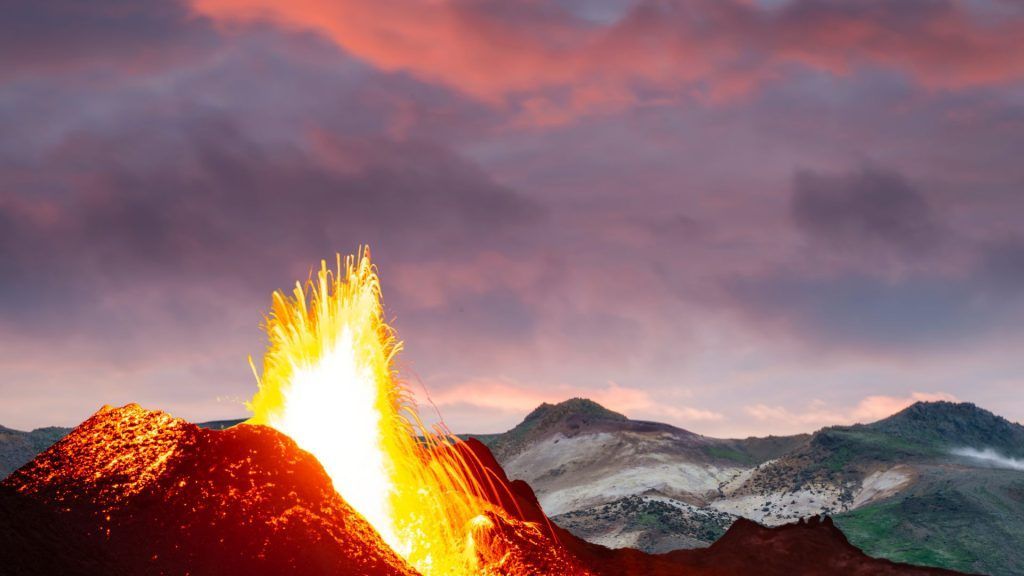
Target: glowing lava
329, 384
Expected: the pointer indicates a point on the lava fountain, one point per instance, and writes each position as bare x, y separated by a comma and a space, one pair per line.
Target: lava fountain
328, 382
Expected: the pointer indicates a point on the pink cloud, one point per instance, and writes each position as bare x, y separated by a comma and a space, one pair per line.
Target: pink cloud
715, 50
433, 283
517, 399
818, 413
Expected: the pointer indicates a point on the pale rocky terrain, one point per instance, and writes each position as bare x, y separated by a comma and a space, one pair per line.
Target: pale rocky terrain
570, 473
578, 457
630, 484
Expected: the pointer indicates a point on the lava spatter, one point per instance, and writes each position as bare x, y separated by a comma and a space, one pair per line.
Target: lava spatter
329, 383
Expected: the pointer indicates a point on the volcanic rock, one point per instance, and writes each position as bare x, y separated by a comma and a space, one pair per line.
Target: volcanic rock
157, 495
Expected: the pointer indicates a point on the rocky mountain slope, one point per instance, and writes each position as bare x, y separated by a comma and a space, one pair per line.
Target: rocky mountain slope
17, 447
926, 485
132, 491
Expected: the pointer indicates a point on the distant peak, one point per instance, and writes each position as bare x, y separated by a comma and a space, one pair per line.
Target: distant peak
956, 424
579, 407
569, 418
942, 408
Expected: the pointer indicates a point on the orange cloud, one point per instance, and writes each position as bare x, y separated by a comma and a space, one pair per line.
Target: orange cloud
818, 414
507, 396
716, 50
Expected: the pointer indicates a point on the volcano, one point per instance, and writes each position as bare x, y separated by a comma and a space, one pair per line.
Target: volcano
334, 474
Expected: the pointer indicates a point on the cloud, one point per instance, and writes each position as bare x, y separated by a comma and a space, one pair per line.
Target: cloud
863, 211
864, 313
880, 272
1002, 264
564, 59
818, 414
143, 227
176, 201
511, 400
546, 192
990, 457
64, 35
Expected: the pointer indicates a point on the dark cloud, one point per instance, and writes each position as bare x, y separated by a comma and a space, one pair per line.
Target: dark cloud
862, 313
64, 34
1002, 263
201, 202
864, 210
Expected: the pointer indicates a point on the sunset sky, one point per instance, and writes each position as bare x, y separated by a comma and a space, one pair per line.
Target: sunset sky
736, 216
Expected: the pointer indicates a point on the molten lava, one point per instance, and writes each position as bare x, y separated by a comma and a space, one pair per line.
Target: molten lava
328, 382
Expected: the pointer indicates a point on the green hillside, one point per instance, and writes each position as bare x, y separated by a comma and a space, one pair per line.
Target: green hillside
967, 519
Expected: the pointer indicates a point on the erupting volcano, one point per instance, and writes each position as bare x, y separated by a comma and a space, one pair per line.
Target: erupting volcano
334, 474
329, 384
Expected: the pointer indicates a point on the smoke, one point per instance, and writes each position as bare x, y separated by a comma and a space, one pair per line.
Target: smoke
990, 457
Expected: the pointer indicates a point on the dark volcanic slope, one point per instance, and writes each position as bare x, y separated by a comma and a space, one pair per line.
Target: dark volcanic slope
155, 495
815, 548
34, 539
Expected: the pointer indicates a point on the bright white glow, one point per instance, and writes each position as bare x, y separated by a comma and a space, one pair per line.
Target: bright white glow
330, 411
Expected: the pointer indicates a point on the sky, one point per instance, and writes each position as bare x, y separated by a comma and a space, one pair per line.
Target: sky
741, 217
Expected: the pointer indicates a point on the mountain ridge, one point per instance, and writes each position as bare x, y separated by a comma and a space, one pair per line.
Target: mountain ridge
895, 486
149, 493
891, 484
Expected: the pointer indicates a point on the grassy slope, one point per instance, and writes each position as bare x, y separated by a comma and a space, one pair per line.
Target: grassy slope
752, 451
966, 519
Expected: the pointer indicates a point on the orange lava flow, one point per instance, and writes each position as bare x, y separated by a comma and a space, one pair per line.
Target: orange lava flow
329, 383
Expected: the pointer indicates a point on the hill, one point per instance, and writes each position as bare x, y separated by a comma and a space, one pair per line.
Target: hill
17, 448
902, 488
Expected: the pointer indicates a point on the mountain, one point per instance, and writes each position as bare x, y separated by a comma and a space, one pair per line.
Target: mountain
946, 424
220, 424
908, 487
17, 447
628, 483
903, 488
133, 491
938, 484
966, 500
